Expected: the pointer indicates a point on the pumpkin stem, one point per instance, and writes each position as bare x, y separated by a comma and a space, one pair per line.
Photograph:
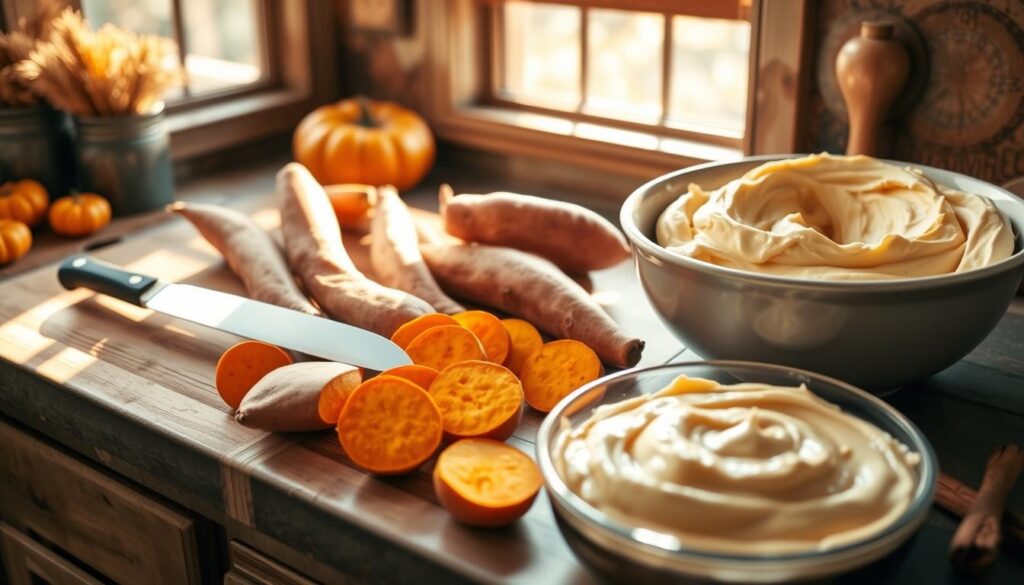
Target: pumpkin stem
366, 118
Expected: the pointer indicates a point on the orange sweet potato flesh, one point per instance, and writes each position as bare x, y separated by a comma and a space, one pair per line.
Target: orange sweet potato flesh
389, 425
482, 482
524, 339
404, 335
288, 398
556, 369
489, 330
395, 253
242, 365
534, 289
573, 237
422, 376
352, 204
315, 251
478, 399
440, 347
250, 253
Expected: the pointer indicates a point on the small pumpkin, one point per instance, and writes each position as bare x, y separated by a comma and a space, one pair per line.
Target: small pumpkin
24, 201
79, 214
15, 240
361, 141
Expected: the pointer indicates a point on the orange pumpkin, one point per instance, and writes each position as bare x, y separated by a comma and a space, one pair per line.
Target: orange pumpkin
360, 141
15, 240
24, 201
79, 214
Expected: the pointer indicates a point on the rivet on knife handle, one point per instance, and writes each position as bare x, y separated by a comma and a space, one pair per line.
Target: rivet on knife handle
82, 271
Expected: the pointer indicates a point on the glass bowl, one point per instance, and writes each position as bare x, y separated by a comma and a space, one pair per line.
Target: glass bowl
621, 552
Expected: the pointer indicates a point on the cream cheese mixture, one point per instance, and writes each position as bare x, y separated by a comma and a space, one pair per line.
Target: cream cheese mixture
746, 468
836, 217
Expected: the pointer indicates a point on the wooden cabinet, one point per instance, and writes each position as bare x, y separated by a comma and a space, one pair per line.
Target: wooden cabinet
250, 567
30, 563
120, 532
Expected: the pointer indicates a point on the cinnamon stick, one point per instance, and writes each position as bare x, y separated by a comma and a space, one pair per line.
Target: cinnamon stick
976, 541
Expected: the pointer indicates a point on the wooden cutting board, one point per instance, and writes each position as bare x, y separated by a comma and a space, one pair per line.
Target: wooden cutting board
133, 390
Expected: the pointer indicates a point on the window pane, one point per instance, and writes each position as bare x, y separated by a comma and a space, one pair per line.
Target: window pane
710, 61
624, 64
223, 38
223, 42
542, 53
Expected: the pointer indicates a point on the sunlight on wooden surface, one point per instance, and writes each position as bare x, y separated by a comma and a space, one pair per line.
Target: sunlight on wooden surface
65, 364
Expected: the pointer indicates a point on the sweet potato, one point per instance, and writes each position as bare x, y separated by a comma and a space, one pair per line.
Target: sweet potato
389, 425
395, 253
478, 399
313, 245
352, 204
523, 340
250, 253
440, 347
573, 237
422, 376
489, 330
536, 290
483, 482
288, 398
334, 394
404, 335
556, 369
242, 365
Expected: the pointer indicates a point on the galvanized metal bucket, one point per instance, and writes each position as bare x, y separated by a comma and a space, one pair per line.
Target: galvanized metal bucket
35, 143
127, 159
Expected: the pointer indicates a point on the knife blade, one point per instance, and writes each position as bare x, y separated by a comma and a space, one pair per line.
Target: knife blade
294, 330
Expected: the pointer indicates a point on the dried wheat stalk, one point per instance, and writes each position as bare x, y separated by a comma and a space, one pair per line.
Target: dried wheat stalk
16, 46
108, 72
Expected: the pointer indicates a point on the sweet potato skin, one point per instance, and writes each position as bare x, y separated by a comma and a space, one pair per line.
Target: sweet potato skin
395, 254
287, 399
250, 253
315, 251
532, 288
575, 238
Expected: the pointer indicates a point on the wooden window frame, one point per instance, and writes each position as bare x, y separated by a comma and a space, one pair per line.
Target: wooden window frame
462, 111
296, 31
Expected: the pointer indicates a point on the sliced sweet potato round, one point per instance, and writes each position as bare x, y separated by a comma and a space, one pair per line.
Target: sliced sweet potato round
404, 335
422, 376
524, 340
440, 347
389, 425
552, 372
478, 399
244, 364
489, 330
483, 482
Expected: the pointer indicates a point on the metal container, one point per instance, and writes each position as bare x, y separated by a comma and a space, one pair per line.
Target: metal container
127, 159
35, 143
878, 335
622, 553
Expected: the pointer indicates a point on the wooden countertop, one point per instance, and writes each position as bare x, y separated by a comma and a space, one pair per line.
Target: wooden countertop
133, 391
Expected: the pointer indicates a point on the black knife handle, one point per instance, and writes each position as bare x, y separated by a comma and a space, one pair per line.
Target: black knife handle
85, 271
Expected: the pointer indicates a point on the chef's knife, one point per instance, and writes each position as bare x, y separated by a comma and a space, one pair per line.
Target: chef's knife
291, 329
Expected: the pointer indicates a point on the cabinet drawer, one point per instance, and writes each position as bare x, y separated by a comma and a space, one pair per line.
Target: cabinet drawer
251, 567
30, 563
110, 526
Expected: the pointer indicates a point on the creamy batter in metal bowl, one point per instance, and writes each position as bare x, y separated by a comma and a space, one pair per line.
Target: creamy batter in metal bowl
732, 471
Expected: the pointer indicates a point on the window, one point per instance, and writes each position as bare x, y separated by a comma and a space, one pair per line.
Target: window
673, 68
223, 44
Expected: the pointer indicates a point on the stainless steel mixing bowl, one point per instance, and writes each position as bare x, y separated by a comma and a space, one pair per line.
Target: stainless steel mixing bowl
621, 553
878, 335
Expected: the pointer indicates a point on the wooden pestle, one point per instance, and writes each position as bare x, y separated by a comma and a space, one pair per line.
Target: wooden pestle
872, 69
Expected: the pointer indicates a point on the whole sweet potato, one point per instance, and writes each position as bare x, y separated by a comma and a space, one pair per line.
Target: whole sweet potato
532, 288
573, 237
314, 249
